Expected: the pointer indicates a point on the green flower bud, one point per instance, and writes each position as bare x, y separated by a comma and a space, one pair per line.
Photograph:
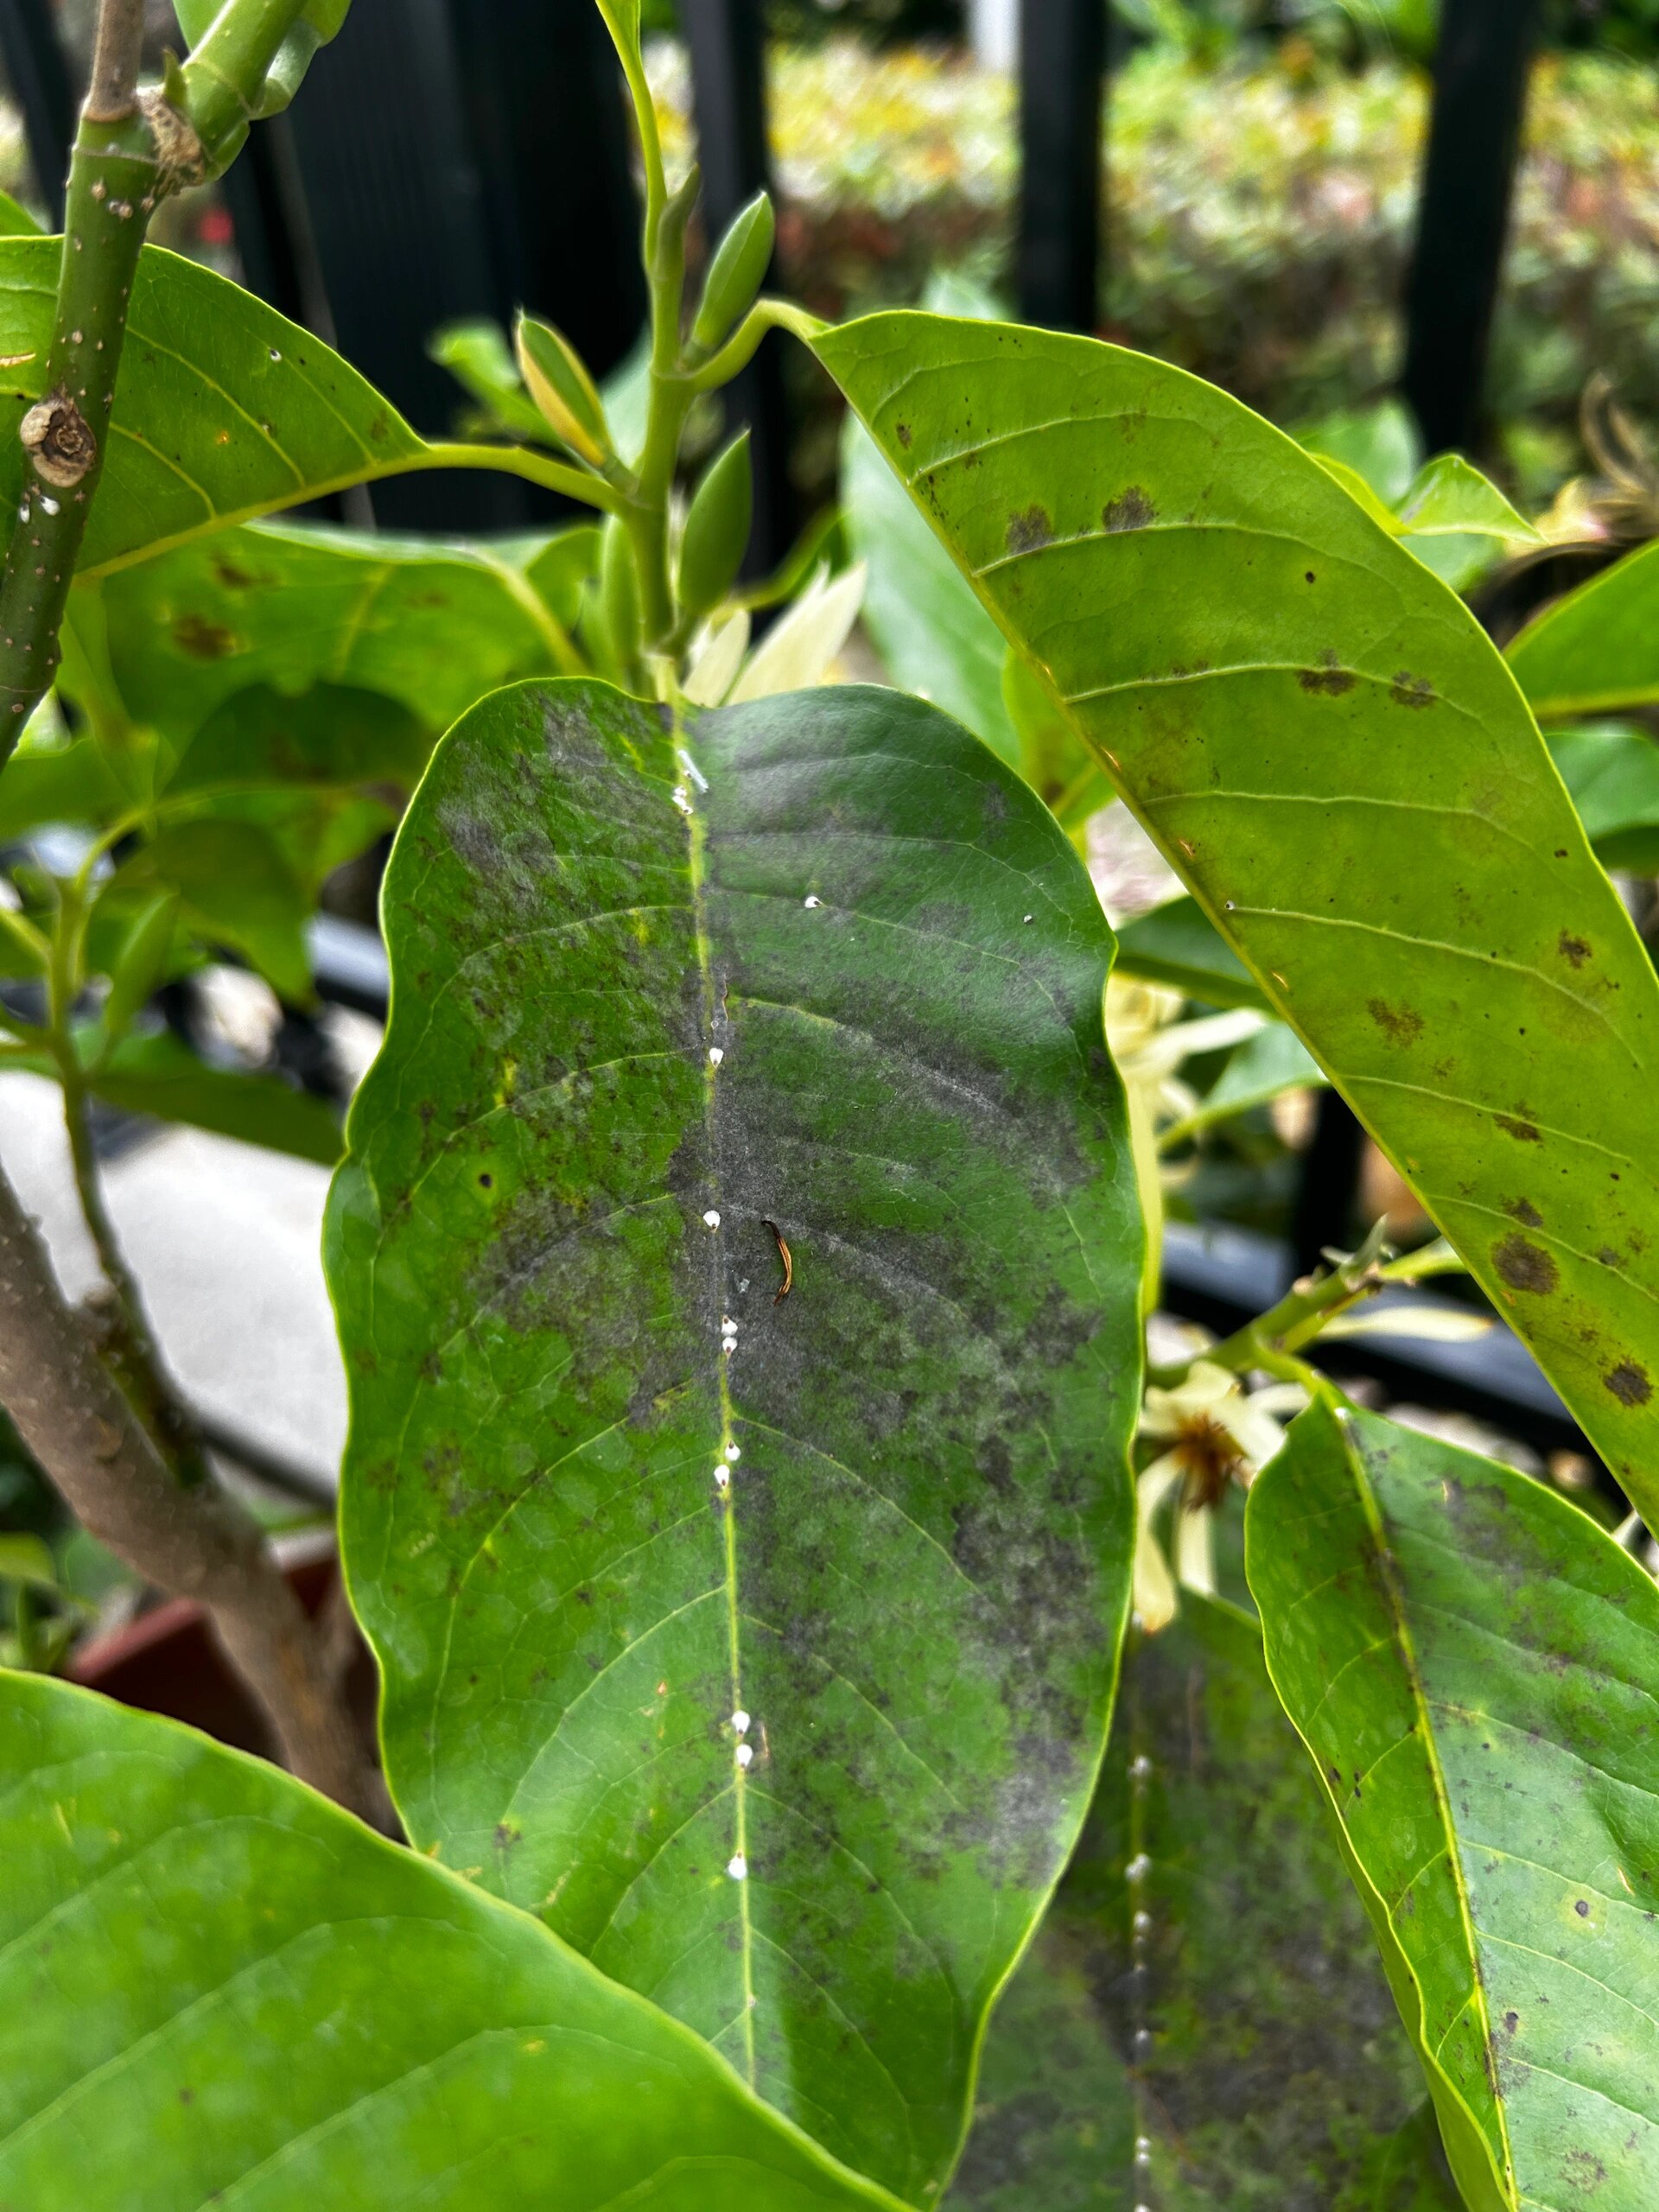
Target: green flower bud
717, 529
563, 390
736, 272
669, 259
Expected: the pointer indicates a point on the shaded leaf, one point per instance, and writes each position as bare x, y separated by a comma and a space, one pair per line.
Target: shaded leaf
1178, 944
1612, 772
1245, 2034
1275, 1060
1380, 444
1327, 746
73, 783
162, 1076
235, 886
1474, 1666
330, 735
933, 636
615, 1490
217, 1988
1450, 498
1050, 757
430, 626
224, 410
1597, 649
561, 568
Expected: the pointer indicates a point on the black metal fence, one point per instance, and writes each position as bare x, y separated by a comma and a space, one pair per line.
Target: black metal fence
457, 158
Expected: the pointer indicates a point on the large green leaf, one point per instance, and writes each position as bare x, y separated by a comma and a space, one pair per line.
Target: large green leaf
431, 626
1474, 1666
224, 410
217, 1989
823, 962
1325, 743
1243, 2032
1597, 649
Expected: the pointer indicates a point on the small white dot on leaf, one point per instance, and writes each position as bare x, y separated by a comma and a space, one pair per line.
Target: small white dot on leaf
711, 1219
738, 1866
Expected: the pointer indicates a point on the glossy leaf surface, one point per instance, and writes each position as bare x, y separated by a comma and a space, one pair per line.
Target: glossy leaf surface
1474, 1667
223, 409
821, 970
430, 626
1327, 746
215, 1988
1597, 649
1245, 2034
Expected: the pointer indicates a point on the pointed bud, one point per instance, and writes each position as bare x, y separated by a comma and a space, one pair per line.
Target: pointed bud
670, 258
736, 273
563, 390
717, 529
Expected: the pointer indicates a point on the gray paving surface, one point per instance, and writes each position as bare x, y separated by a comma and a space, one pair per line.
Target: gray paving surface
225, 1240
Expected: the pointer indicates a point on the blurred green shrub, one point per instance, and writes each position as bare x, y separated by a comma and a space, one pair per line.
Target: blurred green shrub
1258, 215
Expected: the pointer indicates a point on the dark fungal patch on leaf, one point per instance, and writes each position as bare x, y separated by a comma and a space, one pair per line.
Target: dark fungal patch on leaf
1400, 1025
204, 641
1029, 528
901, 431
1130, 509
1572, 949
1522, 1131
1409, 690
1525, 1266
1329, 679
232, 576
1629, 1383
1524, 1212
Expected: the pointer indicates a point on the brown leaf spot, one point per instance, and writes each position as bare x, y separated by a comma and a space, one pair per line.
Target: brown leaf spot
1522, 1132
232, 577
1574, 949
1524, 1265
1329, 677
1029, 529
1409, 690
1130, 509
1629, 1383
1524, 1211
202, 639
901, 431
1400, 1025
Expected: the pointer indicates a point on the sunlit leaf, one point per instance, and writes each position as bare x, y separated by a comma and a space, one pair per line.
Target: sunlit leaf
1474, 1666
1327, 746
217, 1989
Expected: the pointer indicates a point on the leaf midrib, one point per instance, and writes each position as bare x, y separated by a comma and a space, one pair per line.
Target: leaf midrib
697, 873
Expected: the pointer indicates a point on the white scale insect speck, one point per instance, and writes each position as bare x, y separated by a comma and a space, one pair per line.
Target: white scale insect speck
49, 506
691, 768
812, 900
1138, 1868
737, 1866
711, 1219
1140, 1765
715, 1056
734, 1452
741, 1722
1142, 1923
722, 1480
744, 1753
1031, 917
682, 798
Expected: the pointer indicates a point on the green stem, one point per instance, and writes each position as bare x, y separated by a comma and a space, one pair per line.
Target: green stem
739, 350
132, 1344
112, 181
